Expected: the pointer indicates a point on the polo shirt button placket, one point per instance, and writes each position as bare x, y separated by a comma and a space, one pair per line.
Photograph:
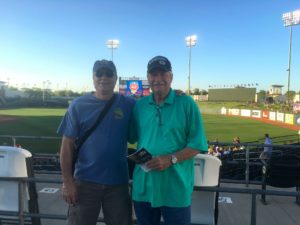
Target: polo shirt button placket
158, 114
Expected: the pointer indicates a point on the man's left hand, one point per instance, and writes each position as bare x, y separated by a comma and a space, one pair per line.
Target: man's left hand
159, 163
179, 92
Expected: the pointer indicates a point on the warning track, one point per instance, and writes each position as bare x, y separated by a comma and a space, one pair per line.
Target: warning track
280, 124
4, 119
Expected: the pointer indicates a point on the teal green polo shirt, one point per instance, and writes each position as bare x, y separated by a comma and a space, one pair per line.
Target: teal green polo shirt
164, 129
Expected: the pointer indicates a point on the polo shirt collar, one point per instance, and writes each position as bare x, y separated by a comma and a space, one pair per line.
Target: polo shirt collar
169, 100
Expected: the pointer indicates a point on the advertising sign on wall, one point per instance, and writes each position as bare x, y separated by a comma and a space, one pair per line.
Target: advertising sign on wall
234, 112
256, 113
272, 115
289, 118
280, 116
246, 112
265, 114
297, 119
223, 110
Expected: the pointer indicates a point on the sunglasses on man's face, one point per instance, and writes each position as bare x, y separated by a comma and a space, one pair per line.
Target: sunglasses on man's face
107, 73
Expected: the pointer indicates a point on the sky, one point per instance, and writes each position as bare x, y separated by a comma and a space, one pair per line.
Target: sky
54, 43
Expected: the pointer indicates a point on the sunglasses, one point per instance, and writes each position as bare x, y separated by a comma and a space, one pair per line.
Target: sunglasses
107, 73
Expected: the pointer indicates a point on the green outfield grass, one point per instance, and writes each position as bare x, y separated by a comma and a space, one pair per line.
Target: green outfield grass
44, 122
33, 122
225, 128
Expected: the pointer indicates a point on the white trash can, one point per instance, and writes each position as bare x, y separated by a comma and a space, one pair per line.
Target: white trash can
206, 169
205, 204
12, 164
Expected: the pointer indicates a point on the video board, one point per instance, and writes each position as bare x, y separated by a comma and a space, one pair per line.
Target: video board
134, 86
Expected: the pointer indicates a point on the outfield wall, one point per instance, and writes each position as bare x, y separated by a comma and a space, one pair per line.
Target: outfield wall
288, 118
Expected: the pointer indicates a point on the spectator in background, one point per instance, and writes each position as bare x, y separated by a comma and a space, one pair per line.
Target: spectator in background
227, 153
216, 143
236, 140
211, 151
217, 151
266, 154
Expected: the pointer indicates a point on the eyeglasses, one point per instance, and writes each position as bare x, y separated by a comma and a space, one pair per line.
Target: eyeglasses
107, 73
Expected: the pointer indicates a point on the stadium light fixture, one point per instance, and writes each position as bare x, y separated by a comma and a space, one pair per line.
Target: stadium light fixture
290, 19
190, 42
112, 44
46, 84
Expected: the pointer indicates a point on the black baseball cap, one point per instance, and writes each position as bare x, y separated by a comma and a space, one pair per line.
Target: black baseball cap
159, 62
104, 64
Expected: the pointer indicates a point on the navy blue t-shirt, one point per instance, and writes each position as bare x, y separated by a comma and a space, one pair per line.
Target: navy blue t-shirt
102, 157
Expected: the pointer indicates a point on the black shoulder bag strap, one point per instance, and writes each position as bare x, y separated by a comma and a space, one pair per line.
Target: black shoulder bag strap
91, 129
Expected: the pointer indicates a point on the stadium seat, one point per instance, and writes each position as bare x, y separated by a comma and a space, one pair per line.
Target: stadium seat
281, 171
16, 162
205, 204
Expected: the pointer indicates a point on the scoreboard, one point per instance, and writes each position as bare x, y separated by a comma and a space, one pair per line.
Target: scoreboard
134, 86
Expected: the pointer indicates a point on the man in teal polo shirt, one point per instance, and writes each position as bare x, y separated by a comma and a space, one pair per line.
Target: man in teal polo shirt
169, 126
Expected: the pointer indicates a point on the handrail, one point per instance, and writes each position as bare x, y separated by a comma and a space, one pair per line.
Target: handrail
14, 138
29, 137
251, 144
245, 144
247, 151
22, 215
285, 138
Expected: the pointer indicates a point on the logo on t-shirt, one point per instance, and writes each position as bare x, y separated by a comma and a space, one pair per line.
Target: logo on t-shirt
118, 113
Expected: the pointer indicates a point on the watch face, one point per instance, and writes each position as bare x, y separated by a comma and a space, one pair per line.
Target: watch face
174, 159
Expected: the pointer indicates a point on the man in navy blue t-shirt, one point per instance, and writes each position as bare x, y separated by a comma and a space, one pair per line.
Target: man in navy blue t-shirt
100, 179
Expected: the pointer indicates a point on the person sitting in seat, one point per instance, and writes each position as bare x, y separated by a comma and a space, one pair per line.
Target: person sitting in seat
236, 140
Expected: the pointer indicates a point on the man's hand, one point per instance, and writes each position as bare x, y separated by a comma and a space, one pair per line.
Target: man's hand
162, 162
69, 192
179, 92
159, 163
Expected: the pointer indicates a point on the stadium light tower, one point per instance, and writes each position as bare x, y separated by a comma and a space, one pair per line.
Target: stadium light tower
290, 19
190, 42
112, 44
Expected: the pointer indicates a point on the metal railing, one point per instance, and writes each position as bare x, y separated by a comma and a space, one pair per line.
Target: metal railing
247, 152
15, 137
286, 139
22, 215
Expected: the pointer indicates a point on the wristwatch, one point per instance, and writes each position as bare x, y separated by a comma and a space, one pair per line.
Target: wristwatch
174, 159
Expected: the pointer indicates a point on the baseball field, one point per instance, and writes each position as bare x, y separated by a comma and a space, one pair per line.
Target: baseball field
43, 122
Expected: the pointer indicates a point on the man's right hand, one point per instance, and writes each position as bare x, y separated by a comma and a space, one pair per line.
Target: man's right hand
69, 192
